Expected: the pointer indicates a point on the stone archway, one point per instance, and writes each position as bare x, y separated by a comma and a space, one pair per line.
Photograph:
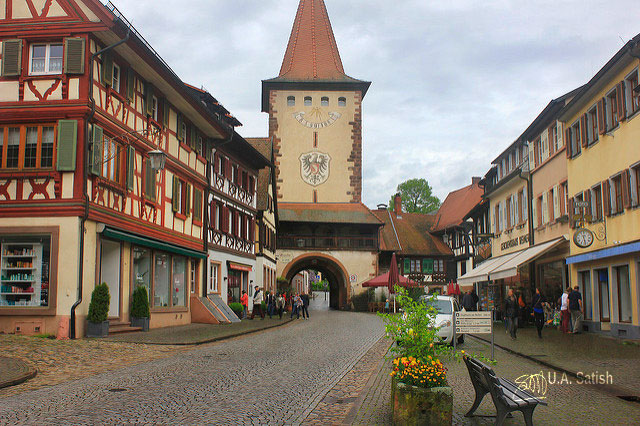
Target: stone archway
331, 268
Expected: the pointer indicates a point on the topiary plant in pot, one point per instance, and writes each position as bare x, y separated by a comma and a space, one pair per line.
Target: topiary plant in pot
98, 325
140, 308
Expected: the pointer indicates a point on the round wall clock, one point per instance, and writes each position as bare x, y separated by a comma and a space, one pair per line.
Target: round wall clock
316, 119
583, 238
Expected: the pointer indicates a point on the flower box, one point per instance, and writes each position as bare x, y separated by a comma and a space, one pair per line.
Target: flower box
413, 405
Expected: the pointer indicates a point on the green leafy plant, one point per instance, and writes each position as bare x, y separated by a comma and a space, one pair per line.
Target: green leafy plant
140, 303
284, 286
430, 373
361, 301
264, 306
237, 309
99, 305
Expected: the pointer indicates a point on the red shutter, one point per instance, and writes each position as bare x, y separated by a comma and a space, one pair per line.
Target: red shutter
583, 130
212, 215
620, 95
602, 124
496, 219
216, 163
225, 215
606, 197
550, 206
228, 173
586, 196
539, 210
561, 194
626, 189
236, 223
567, 142
571, 212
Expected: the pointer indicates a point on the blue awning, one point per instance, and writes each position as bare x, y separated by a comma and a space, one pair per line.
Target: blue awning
604, 253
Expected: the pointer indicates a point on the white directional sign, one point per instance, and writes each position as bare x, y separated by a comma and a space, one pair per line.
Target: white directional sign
473, 322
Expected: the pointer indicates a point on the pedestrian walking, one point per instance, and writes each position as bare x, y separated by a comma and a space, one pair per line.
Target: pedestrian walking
467, 302
271, 304
295, 306
257, 303
538, 311
305, 305
386, 307
476, 299
565, 315
244, 301
511, 313
280, 301
575, 306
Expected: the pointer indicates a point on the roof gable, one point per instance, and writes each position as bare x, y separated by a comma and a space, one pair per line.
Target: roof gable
456, 206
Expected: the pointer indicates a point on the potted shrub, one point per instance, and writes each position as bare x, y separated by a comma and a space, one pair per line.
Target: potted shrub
98, 325
237, 309
140, 308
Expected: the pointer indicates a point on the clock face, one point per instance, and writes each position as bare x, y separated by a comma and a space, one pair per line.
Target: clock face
316, 119
583, 238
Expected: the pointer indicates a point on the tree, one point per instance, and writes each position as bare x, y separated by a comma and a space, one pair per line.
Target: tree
416, 196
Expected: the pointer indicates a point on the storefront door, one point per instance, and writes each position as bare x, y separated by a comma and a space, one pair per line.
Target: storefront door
110, 273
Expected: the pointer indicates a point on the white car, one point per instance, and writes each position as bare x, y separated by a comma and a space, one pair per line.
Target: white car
446, 306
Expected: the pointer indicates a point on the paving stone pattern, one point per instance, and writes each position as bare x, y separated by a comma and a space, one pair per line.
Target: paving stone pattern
273, 377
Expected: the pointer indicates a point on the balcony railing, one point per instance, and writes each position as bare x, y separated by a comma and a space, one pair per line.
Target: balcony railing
335, 243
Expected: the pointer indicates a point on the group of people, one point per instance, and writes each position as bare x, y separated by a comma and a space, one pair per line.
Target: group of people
276, 304
570, 308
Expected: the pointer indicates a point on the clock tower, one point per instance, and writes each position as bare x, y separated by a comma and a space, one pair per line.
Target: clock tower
315, 115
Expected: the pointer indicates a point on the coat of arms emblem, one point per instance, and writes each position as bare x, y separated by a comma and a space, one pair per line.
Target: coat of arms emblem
314, 167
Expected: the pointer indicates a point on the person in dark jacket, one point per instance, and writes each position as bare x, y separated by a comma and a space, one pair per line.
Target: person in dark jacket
511, 310
538, 311
468, 303
305, 305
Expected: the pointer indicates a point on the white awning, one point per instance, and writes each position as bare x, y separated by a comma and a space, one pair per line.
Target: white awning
510, 268
507, 265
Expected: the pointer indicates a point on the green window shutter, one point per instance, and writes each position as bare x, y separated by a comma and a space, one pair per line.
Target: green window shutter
179, 134
74, 56
197, 204
148, 99
96, 150
175, 201
11, 58
427, 266
67, 142
407, 266
150, 183
187, 202
165, 113
130, 84
131, 162
107, 69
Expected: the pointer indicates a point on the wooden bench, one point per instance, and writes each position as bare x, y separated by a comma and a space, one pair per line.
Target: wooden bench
506, 395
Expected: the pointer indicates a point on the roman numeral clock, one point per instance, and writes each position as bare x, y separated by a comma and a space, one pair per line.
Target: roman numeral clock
316, 118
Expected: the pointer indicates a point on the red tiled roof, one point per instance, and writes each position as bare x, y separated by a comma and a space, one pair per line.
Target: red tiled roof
353, 213
409, 234
456, 206
312, 52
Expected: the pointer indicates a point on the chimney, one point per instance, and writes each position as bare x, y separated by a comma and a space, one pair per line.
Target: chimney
397, 205
475, 180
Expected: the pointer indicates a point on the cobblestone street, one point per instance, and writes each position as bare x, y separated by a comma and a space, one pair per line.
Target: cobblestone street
274, 377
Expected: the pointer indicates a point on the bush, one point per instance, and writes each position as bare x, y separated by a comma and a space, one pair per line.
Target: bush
140, 303
237, 309
99, 305
361, 301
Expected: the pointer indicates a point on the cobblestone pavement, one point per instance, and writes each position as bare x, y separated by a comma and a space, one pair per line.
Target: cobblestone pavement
275, 377
569, 402
59, 361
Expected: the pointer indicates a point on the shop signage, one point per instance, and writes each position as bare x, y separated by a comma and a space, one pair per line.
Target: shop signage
515, 242
353, 278
473, 322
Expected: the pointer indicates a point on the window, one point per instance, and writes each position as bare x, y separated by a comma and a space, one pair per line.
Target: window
111, 160
413, 265
342, 102
197, 205
324, 101
616, 194
115, 79
596, 203
154, 108
592, 125
142, 268
612, 109
180, 196
602, 280
193, 275
632, 99
27, 147
291, 101
214, 268
553, 139
575, 141
46, 59
584, 280
307, 101
540, 210
564, 198
635, 185
624, 292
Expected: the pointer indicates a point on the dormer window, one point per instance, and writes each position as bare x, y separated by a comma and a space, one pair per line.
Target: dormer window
342, 102
46, 59
291, 101
324, 101
307, 101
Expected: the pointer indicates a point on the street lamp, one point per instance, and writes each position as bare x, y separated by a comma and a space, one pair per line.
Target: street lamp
157, 160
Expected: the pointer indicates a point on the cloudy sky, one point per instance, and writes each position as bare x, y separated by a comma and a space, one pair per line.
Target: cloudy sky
454, 82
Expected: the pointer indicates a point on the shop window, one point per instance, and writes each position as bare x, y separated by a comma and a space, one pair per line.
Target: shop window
110, 261
27, 147
307, 101
45, 59
342, 102
624, 292
179, 288
161, 280
193, 275
24, 271
592, 125
602, 280
611, 109
324, 101
584, 280
142, 268
631, 98
291, 101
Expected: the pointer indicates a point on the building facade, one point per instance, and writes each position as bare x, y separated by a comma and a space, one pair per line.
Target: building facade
602, 133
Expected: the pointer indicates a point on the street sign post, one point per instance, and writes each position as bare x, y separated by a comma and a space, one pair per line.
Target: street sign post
480, 322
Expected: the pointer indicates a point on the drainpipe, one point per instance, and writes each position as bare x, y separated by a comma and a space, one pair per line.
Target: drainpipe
205, 230
85, 176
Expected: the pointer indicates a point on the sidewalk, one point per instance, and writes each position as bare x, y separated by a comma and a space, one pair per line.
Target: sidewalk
197, 334
575, 354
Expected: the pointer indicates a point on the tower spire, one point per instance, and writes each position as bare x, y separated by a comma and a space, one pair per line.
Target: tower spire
312, 52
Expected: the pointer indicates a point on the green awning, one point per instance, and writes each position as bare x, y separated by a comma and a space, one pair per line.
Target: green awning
148, 242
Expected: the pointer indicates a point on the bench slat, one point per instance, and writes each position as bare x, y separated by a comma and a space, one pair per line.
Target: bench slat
521, 393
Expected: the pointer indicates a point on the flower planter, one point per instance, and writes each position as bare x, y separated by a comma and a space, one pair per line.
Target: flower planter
140, 322
97, 329
412, 405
